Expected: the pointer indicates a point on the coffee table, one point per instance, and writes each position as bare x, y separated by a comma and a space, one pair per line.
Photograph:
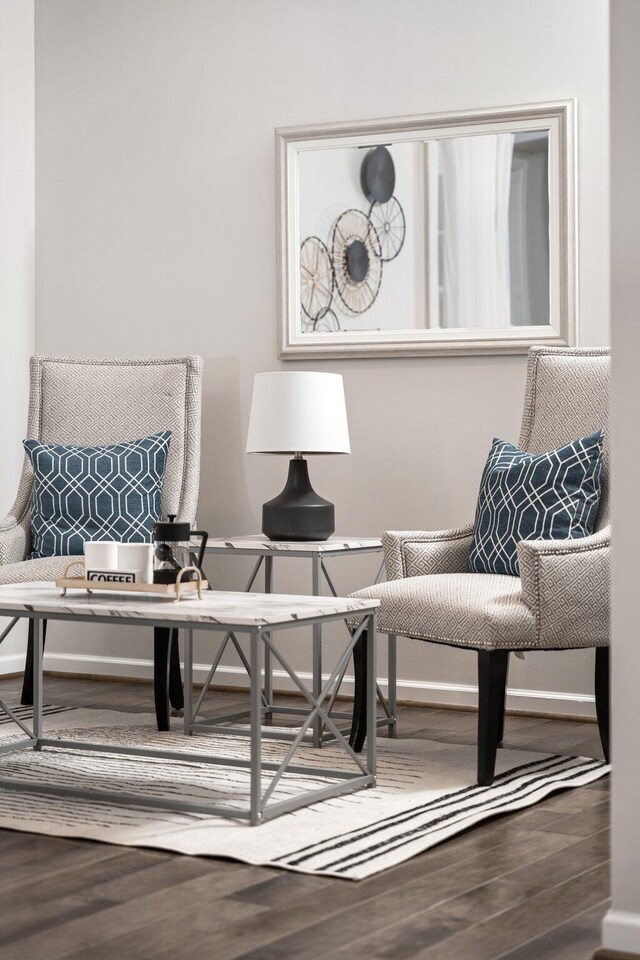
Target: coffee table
254, 616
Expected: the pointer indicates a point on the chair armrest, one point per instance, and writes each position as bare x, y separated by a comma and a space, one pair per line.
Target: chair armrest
565, 584
15, 528
15, 538
416, 553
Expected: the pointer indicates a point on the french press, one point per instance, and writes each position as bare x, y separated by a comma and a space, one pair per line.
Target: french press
172, 550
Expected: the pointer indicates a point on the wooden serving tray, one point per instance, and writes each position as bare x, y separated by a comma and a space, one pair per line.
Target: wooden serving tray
174, 590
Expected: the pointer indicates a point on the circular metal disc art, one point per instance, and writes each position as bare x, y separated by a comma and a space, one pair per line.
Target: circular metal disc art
378, 175
327, 323
316, 278
388, 220
357, 260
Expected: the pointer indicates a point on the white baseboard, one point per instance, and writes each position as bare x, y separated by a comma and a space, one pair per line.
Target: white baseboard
420, 691
11, 663
621, 931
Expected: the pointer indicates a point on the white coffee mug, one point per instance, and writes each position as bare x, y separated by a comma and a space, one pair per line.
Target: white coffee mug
138, 557
100, 555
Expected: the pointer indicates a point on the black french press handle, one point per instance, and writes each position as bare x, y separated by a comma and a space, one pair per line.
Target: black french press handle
204, 536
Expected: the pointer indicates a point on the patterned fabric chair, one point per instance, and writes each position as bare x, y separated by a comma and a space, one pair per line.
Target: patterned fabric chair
104, 401
560, 601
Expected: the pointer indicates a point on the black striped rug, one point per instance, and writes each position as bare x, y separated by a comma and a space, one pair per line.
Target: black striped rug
424, 795
24, 713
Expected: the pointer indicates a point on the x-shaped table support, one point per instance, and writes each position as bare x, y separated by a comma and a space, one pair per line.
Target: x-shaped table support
320, 734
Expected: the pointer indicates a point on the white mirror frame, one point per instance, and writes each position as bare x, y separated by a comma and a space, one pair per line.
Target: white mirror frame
557, 117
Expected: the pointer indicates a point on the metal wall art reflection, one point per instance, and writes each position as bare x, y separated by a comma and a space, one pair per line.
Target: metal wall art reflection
359, 243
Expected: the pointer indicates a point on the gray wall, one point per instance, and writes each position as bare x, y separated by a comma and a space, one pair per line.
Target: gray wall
17, 242
156, 227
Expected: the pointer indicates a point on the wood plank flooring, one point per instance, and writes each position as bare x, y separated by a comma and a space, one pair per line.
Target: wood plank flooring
528, 886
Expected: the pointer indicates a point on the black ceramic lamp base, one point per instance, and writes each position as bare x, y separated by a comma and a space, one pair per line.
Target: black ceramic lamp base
298, 513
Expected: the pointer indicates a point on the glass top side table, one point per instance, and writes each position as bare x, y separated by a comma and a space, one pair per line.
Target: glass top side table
317, 552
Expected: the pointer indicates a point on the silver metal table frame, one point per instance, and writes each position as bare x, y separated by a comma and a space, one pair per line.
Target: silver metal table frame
320, 734
260, 807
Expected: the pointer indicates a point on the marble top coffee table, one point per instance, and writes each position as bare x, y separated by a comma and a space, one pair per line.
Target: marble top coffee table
256, 617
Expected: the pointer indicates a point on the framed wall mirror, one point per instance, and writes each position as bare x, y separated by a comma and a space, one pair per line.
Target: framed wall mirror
448, 233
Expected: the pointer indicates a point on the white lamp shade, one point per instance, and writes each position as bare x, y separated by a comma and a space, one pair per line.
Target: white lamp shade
298, 412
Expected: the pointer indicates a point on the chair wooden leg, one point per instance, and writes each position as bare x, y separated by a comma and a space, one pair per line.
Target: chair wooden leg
161, 648
492, 678
359, 721
503, 704
603, 697
27, 683
176, 692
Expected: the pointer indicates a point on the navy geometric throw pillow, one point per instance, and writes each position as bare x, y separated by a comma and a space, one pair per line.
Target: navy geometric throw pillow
541, 496
95, 493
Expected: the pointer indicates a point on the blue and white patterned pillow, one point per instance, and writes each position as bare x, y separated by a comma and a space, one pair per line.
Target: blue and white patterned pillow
95, 493
527, 496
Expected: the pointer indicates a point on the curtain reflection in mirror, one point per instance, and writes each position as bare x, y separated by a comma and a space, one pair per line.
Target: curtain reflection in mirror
493, 230
475, 181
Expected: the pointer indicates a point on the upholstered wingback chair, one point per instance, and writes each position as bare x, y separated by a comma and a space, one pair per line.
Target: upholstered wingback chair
560, 601
99, 402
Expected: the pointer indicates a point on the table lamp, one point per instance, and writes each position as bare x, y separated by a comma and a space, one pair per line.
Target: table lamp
298, 413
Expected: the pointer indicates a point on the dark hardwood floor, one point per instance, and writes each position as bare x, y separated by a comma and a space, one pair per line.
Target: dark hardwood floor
527, 886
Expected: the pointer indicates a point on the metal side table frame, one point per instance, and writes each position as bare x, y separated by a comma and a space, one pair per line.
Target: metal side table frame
261, 807
317, 552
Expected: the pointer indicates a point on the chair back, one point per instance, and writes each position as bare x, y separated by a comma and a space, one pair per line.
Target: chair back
567, 396
105, 401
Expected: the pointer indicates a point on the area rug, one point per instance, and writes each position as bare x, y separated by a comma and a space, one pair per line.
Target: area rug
425, 794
